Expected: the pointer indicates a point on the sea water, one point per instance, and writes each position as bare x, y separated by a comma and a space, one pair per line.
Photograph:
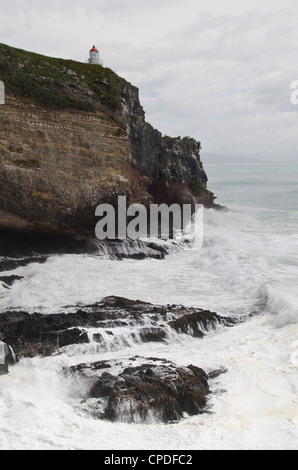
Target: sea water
247, 268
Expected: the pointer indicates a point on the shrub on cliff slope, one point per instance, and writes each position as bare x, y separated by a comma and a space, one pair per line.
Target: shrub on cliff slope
58, 83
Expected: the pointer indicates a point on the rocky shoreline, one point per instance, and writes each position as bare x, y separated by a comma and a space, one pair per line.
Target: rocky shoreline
113, 317
141, 390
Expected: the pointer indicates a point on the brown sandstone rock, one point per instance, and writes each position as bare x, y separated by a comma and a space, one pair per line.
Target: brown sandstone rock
58, 164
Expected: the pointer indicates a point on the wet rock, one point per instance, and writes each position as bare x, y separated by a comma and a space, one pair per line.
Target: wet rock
36, 334
127, 321
93, 367
9, 280
148, 335
3, 369
7, 357
196, 323
217, 372
122, 302
8, 264
97, 338
153, 391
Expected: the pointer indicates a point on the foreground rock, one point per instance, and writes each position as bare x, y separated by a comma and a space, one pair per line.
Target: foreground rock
156, 390
111, 324
139, 390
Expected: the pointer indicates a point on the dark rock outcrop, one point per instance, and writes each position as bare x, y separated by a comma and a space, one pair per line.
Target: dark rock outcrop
196, 323
9, 280
44, 334
132, 390
8, 264
148, 335
156, 390
34, 335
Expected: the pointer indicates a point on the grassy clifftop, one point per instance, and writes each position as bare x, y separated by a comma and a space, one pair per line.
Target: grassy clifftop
58, 83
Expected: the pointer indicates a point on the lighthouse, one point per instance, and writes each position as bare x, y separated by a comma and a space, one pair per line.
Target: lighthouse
94, 56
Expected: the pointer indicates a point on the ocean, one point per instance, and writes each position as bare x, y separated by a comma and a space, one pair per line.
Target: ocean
247, 268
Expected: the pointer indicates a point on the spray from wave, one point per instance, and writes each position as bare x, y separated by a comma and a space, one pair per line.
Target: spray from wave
281, 301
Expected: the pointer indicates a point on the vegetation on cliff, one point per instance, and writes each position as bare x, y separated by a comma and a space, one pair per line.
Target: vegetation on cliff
58, 83
57, 166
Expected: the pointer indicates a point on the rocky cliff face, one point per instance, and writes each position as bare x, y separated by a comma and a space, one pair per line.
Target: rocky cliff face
56, 167
171, 165
73, 136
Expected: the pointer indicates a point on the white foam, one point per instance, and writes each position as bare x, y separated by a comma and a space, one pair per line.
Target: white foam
282, 302
243, 267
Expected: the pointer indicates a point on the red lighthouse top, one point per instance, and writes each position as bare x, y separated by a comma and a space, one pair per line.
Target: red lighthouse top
93, 49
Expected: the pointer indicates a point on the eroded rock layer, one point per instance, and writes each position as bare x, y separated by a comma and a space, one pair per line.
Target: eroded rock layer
73, 136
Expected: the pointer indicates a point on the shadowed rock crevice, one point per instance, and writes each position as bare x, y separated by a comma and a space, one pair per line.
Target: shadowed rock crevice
19, 247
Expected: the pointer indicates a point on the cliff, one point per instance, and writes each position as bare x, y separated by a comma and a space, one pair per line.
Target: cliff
73, 136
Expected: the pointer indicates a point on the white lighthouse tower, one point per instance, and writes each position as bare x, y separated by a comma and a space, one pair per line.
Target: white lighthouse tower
94, 56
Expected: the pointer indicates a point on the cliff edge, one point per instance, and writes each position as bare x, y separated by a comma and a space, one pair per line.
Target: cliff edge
73, 136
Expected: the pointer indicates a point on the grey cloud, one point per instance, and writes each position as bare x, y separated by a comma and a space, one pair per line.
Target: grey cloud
222, 78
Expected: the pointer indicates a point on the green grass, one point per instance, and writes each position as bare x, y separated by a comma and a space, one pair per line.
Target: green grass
197, 189
58, 83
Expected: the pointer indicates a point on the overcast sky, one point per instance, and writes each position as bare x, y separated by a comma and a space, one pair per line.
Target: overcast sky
219, 71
